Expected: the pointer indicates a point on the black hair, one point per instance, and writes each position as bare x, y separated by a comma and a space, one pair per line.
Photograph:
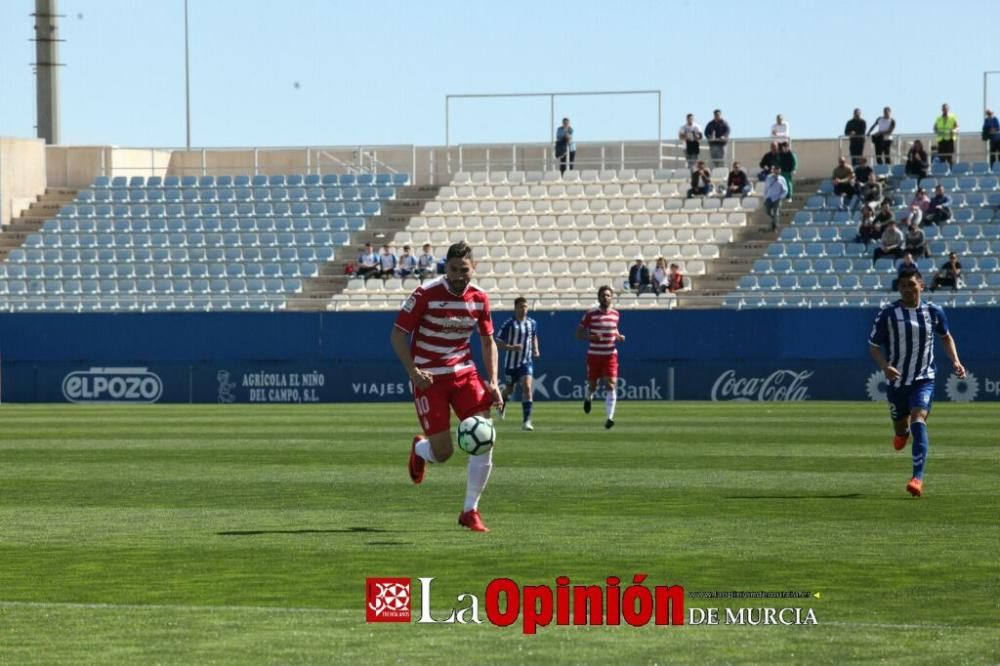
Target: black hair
519, 300
460, 250
602, 288
907, 272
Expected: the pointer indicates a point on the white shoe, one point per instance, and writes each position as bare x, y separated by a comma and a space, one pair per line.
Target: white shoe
527, 426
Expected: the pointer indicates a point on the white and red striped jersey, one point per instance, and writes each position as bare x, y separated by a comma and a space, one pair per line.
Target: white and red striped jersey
605, 324
441, 324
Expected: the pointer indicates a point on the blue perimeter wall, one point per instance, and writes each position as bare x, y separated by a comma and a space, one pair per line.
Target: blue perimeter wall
340, 357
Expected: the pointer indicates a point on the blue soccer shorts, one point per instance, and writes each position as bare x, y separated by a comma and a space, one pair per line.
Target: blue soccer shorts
514, 375
904, 399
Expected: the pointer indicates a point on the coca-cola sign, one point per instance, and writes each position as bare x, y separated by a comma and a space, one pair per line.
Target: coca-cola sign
780, 385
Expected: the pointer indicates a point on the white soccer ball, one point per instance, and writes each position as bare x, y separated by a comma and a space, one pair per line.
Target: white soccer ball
476, 435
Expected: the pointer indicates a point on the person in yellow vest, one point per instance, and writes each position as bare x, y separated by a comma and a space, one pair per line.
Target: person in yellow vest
946, 129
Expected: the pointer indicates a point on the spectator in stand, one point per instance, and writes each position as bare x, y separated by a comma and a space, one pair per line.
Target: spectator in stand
883, 127
788, 163
945, 130
426, 263
780, 131
690, 133
913, 216
387, 262
890, 244
991, 135
921, 201
862, 173
769, 160
368, 262
701, 181
843, 182
917, 161
866, 229
565, 145
675, 282
638, 277
884, 216
916, 241
854, 130
939, 209
407, 263
717, 133
871, 191
949, 274
907, 265
738, 182
661, 276
775, 191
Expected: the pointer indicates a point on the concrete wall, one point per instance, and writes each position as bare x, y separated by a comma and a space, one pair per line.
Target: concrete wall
77, 166
22, 175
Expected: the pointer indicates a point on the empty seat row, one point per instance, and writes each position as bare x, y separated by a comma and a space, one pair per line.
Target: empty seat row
246, 209
190, 224
594, 206
282, 267
142, 302
152, 286
478, 237
584, 176
223, 195
585, 221
20, 259
192, 239
800, 299
279, 180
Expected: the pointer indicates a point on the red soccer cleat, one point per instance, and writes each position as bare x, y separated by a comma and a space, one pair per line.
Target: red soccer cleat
899, 441
915, 487
417, 463
472, 520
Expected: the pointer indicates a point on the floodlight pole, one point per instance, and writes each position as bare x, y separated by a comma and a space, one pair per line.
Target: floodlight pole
187, 77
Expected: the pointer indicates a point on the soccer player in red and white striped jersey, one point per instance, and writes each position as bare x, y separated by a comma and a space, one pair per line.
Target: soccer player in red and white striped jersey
431, 339
599, 326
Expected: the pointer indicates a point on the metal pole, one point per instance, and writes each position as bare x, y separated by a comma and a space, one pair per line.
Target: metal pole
552, 118
659, 129
447, 124
187, 77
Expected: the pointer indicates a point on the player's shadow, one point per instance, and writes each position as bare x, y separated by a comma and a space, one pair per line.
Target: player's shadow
341, 530
847, 496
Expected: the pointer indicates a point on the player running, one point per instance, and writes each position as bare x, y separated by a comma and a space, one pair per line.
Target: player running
600, 327
441, 316
519, 338
905, 328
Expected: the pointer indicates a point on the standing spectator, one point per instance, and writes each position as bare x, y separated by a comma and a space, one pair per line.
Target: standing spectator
854, 130
638, 277
871, 192
675, 282
368, 262
387, 262
780, 131
991, 135
565, 145
661, 276
891, 243
907, 265
738, 182
921, 200
916, 241
788, 163
946, 129
769, 160
843, 182
407, 263
949, 274
939, 208
866, 229
917, 162
883, 127
717, 133
426, 263
775, 191
701, 181
690, 134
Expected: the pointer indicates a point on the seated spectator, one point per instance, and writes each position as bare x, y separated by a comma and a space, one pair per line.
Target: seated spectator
949, 275
701, 181
866, 230
675, 281
738, 182
661, 275
917, 161
916, 241
426, 263
907, 265
862, 172
638, 277
407, 263
921, 200
913, 216
939, 208
387, 262
843, 182
769, 160
890, 244
871, 190
368, 262
883, 216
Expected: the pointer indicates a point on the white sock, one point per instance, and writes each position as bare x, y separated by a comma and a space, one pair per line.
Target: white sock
610, 399
590, 395
478, 474
425, 451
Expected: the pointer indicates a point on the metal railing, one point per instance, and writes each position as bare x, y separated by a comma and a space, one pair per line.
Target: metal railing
901, 146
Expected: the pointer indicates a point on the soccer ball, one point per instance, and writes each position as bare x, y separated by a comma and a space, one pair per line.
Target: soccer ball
476, 435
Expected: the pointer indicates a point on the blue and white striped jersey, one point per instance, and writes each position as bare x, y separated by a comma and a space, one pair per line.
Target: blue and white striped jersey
523, 333
908, 336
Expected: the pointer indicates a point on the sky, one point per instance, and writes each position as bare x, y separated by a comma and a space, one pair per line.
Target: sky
354, 72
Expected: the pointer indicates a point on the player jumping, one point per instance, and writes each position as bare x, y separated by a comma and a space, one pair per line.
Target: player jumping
906, 329
519, 338
600, 327
441, 316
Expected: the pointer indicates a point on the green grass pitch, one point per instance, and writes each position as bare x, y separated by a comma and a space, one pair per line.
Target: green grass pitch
244, 534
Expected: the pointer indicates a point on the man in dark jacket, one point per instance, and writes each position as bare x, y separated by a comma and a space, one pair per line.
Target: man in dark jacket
638, 277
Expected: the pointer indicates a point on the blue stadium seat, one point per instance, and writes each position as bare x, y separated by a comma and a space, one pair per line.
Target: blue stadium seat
940, 169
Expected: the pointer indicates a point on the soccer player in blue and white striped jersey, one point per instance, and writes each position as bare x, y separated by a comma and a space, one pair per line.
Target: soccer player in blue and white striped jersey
518, 337
905, 329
